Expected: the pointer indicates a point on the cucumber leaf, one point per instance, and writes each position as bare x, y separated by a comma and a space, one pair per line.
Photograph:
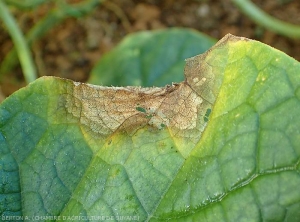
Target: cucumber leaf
223, 145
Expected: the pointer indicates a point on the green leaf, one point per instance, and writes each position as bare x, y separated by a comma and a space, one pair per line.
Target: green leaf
150, 58
223, 145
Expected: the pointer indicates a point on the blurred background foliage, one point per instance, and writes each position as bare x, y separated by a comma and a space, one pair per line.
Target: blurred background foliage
150, 58
74, 38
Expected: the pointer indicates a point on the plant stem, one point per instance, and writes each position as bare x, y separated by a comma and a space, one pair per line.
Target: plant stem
19, 41
25, 5
265, 20
54, 17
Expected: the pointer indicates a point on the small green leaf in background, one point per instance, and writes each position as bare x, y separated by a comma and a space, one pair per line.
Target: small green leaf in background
150, 58
223, 145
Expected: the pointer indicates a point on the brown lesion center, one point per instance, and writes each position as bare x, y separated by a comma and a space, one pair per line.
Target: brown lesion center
109, 109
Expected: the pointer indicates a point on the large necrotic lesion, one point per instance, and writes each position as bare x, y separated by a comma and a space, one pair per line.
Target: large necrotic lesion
109, 109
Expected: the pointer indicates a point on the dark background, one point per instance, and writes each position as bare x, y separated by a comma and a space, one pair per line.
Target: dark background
72, 48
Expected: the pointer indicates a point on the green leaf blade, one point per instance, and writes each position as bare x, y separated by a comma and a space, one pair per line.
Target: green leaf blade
140, 152
246, 140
